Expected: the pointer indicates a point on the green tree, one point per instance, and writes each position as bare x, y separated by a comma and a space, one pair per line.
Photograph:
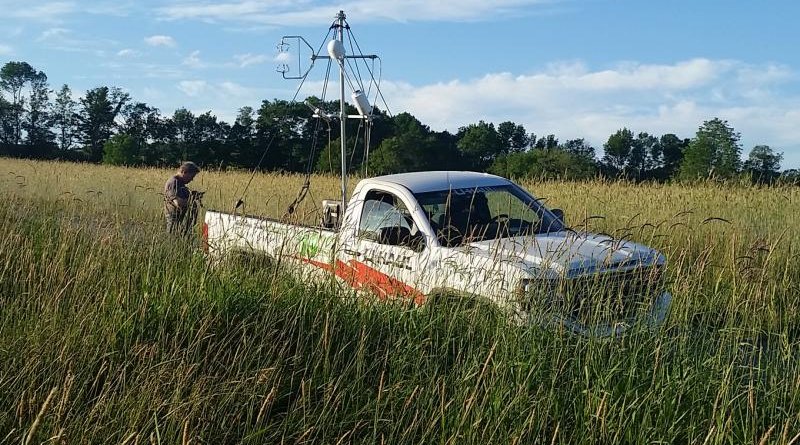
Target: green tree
714, 152
13, 78
412, 148
672, 148
644, 156
288, 129
763, 164
241, 139
6, 122
479, 144
143, 124
38, 120
544, 164
618, 151
121, 149
177, 133
549, 142
580, 148
99, 108
64, 117
208, 143
513, 138
790, 177
182, 123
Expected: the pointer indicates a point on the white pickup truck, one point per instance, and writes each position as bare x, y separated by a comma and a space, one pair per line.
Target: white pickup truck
463, 235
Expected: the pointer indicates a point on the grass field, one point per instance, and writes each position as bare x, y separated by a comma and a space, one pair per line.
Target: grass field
110, 332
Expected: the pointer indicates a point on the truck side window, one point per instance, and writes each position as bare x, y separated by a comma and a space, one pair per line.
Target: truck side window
383, 210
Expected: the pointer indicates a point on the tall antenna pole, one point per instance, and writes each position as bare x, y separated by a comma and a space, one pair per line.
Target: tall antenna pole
342, 114
336, 51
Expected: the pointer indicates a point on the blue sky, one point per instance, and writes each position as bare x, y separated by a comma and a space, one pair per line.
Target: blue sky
575, 68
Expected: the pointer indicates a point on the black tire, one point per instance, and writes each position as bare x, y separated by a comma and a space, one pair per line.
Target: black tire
458, 305
251, 262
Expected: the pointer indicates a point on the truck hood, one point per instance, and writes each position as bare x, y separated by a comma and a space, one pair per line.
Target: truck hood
569, 253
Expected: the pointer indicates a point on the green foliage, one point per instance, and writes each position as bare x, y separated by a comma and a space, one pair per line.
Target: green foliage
7, 133
121, 149
544, 164
580, 148
290, 132
99, 108
672, 149
37, 124
513, 137
549, 142
480, 144
790, 177
618, 150
241, 139
64, 118
13, 78
714, 152
763, 164
411, 149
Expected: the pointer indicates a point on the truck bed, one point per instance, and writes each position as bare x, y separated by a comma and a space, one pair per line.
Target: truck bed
227, 233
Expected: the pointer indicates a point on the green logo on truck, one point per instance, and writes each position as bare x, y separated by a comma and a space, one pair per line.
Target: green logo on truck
309, 245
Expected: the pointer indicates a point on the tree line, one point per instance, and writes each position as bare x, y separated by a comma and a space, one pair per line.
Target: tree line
106, 125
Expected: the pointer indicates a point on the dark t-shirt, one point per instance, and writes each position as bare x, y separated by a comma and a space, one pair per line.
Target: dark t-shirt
174, 188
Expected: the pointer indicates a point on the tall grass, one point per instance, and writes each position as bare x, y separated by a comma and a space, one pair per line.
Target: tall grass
111, 332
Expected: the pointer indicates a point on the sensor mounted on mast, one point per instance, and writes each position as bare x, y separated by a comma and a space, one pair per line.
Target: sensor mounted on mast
337, 54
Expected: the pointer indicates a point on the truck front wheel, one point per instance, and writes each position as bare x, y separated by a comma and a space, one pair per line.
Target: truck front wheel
450, 304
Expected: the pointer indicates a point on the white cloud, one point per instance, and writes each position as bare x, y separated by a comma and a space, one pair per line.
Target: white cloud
117, 8
248, 59
127, 52
304, 12
6, 50
160, 40
63, 39
688, 74
192, 87
44, 12
156, 71
234, 89
13, 31
193, 60
571, 101
223, 98
53, 33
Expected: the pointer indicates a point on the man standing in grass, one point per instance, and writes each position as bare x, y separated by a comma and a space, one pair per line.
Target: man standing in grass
180, 204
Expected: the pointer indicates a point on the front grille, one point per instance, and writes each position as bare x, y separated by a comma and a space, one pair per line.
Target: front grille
609, 297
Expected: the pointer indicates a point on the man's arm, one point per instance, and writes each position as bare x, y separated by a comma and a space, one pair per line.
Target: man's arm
180, 203
172, 196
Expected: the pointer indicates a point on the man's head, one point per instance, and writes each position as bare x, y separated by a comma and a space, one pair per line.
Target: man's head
187, 171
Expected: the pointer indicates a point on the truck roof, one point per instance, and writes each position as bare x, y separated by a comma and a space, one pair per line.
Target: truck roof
431, 181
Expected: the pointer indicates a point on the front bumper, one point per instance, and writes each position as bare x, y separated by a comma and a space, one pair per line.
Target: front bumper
650, 320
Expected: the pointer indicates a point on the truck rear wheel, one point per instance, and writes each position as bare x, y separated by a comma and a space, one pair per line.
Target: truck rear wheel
250, 262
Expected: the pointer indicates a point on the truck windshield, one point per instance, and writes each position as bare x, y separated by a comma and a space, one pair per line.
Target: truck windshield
462, 216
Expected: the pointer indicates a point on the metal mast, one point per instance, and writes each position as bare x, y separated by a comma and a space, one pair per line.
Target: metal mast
337, 52
342, 115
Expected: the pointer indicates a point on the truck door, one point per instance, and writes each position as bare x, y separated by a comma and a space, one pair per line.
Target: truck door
388, 252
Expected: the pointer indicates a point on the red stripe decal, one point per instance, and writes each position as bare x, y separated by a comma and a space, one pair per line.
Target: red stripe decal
360, 276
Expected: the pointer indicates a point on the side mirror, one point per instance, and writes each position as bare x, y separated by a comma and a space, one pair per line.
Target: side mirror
559, 213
